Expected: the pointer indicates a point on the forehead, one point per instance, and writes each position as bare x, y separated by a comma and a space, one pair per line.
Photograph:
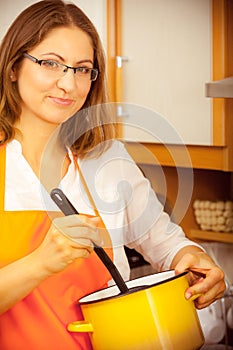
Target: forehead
66, 40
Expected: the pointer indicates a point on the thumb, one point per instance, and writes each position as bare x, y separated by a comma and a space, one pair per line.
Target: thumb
186, 262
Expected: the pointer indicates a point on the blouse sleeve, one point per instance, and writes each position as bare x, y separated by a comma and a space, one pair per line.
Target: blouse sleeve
149, 229
153, 234
131, 210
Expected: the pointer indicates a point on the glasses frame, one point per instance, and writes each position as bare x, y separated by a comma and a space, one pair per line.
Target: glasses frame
93, 71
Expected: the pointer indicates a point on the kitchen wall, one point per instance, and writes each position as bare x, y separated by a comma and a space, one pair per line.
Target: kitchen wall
96, 10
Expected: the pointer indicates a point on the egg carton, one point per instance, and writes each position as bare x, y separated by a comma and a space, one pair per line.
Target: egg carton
214, 215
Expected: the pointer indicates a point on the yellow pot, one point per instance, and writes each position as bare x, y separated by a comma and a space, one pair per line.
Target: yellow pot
154, 316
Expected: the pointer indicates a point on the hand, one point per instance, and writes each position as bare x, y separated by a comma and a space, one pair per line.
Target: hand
69, 238
211, 287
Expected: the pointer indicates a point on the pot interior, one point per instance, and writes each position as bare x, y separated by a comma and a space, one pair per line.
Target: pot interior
143, 282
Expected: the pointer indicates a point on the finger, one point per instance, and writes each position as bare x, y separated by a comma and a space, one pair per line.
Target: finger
80, 220
78, 242
79, 253
82, 243
194, 278
217, 291
200, 304
214, 283
95, 221
62, 223
84, 233
214, 275
207, 289
198, 288
188, 261
74, 228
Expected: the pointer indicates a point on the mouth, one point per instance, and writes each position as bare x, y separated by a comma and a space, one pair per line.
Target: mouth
61, 101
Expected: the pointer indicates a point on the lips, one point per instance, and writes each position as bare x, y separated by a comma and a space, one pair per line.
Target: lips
61, 101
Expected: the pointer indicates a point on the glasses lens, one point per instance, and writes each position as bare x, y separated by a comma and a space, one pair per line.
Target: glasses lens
86, 73
51, 66
94, 74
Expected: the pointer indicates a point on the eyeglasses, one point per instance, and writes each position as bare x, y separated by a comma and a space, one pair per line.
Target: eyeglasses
58, 69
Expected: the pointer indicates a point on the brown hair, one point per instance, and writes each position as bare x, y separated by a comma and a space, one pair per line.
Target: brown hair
27, 31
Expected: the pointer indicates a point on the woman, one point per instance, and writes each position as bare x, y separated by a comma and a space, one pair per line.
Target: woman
51, 67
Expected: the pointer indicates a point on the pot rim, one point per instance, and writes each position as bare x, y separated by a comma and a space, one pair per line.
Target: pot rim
135, 289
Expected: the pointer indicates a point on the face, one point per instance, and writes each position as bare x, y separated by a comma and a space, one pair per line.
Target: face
52, 99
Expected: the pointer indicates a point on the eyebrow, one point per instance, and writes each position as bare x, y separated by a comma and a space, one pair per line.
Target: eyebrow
62, 59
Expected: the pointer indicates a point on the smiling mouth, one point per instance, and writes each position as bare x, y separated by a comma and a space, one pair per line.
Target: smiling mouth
62, 101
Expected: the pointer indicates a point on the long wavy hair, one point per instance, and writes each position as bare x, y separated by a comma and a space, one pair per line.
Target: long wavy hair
90, 127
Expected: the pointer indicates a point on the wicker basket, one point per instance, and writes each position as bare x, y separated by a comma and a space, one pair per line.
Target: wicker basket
214, 216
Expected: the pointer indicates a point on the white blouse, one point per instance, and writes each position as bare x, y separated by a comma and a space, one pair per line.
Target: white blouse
125, 200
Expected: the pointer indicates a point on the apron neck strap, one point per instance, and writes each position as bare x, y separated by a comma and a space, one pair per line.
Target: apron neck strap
104, 233
2, 175
84, 183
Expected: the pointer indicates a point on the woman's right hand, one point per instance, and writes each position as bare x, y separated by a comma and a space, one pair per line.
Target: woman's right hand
69, 238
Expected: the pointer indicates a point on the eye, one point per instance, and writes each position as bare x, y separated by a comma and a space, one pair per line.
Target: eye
49, 64
83, 70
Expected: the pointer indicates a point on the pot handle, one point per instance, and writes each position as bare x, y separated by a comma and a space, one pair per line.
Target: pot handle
80, 327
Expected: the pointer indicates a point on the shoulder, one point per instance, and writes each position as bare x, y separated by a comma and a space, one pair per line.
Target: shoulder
112, 166
116, 152
116, 149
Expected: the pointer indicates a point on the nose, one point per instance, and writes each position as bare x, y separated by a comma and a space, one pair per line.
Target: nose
68, 81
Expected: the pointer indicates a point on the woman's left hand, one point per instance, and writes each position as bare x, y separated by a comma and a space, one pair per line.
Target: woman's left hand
211, 287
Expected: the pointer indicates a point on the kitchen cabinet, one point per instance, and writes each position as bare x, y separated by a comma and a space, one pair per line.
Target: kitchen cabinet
169, 60
212, 164
217, 152
211, 236
220, 89
207, 185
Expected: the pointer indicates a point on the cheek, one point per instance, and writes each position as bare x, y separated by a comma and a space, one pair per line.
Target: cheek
83, 90
30, 84
81, 95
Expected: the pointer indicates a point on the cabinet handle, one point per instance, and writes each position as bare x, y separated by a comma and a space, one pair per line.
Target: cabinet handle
120, 60
119, 87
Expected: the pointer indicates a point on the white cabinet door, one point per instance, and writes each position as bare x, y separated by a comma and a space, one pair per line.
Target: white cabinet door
168, 46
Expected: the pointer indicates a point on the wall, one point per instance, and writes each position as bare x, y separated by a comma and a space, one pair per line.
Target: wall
96, 10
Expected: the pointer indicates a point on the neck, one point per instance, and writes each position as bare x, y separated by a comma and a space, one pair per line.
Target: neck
33, 145
41, 149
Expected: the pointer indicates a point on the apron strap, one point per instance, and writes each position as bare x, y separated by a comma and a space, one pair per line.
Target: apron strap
105, 234
91, 200
2, 175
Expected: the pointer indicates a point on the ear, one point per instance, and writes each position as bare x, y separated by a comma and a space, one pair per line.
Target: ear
13, 76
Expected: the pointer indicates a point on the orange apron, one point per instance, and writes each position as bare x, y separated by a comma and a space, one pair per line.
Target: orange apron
39, 321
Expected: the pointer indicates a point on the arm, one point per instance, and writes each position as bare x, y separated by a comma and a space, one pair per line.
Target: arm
166, 249
165, 246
